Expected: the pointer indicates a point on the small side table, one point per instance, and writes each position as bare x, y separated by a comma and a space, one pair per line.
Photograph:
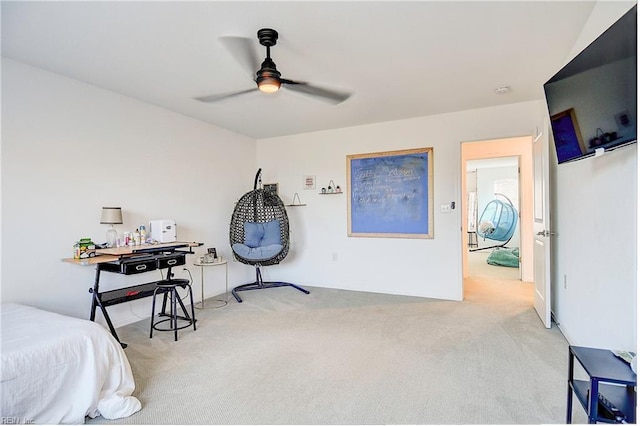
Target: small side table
609, 376
226, 283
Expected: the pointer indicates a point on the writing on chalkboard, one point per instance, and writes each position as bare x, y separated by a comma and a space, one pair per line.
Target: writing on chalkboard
390, 194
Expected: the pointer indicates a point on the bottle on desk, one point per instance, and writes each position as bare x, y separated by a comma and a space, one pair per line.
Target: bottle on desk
136, 237
143, 234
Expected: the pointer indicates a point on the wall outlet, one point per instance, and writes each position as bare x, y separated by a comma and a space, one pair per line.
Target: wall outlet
334, 256
565, 281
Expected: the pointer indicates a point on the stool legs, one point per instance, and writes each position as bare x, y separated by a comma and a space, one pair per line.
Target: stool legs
153, 311
170, 290
174, 313
193, 309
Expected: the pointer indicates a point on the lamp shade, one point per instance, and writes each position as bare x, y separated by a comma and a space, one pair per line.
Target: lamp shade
111, 215
268, 84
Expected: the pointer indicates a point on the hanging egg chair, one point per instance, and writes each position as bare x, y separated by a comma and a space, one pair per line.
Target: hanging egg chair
259, 234
497, 221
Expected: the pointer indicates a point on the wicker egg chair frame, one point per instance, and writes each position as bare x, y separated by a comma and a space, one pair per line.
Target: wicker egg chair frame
259, 206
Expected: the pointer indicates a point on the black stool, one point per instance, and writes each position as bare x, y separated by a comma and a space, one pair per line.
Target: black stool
169, 287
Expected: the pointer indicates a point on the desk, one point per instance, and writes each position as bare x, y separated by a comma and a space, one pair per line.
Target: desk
609, 376
127, 261
202, 265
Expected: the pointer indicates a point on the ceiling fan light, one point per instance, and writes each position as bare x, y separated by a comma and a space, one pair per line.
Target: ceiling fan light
268, 85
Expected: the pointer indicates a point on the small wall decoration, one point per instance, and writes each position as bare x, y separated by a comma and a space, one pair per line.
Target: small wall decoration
271, 187
332, 188
309, 182
296, 201
391, 194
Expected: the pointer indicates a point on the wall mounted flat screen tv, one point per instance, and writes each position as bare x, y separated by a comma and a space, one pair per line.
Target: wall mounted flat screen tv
592, 101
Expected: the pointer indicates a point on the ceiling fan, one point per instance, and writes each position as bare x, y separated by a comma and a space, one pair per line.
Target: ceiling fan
268, 78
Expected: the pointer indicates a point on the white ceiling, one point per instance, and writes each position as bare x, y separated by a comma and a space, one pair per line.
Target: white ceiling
400, 59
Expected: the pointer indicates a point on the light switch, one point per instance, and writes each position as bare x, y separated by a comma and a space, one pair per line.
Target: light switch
445, 208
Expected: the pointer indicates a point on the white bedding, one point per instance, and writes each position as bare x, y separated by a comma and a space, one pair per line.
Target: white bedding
58, 369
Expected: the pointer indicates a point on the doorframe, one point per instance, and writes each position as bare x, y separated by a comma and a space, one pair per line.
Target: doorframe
521, 147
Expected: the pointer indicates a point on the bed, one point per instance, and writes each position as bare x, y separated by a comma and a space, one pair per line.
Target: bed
58, 369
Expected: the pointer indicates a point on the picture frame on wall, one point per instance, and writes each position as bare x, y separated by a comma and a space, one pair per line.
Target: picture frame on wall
270, 188
309, 182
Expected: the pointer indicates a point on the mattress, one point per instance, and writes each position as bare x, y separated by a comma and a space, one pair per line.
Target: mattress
58, 369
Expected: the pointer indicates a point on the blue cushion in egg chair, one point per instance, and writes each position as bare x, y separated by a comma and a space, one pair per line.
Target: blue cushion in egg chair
261, 241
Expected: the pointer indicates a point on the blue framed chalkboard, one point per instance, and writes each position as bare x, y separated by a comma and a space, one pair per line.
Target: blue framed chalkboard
567, 136
391, 194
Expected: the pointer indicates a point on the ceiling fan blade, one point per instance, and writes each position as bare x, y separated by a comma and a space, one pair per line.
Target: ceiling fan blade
333, 96
221, 96
244, 52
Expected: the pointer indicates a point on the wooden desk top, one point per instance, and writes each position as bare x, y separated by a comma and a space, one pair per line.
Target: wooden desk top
112, 254
91, 260
124, 250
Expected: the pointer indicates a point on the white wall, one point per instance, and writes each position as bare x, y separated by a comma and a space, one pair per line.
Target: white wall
430, 268
596, 249
69, 148
595, 218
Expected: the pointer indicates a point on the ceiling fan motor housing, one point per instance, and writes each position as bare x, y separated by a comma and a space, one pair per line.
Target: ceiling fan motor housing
267, 37
268, 70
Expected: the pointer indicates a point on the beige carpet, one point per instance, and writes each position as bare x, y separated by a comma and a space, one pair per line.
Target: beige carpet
478, 267
342, 357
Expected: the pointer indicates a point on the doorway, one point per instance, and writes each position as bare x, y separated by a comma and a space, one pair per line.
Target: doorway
493, 196
519, 148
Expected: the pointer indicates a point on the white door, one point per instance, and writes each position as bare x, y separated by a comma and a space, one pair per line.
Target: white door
541, 225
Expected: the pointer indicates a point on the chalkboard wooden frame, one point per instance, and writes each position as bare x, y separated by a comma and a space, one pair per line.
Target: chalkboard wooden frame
390, 194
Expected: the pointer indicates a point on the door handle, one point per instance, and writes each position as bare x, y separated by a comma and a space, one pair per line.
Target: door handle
545, 233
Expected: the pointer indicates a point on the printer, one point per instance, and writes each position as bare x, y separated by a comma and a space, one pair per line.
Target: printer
163, 230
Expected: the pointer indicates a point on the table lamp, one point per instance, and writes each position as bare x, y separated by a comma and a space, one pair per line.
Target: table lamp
111, 216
